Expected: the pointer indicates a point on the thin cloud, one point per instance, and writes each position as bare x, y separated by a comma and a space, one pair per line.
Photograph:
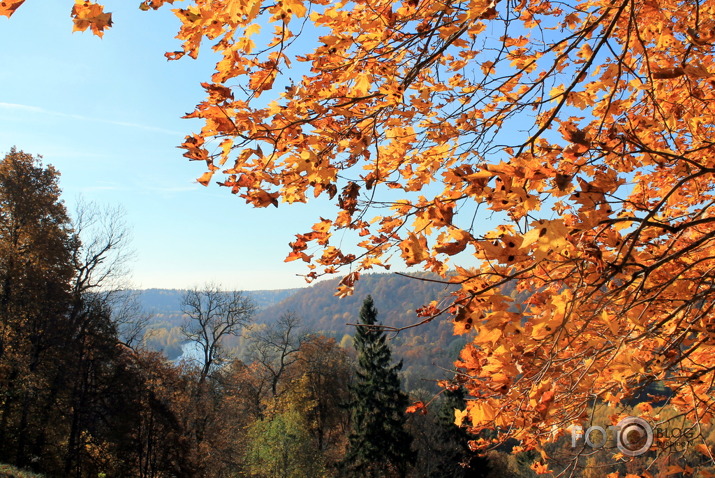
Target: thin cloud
14, 106
38, 110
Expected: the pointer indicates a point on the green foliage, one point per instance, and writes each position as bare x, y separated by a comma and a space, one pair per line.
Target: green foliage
378, 444
280, 445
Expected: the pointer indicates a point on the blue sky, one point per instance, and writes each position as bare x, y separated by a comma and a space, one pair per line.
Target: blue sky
106, 113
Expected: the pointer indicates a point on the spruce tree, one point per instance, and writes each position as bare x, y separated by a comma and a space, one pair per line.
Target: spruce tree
378, 444
456, 458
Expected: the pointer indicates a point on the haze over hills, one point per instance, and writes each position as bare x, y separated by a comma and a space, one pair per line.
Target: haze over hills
426, 350
167, 301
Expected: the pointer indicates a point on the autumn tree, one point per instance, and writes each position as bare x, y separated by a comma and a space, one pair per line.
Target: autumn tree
35, 249
84, 383
58, 354
274, 348
148, 438
327, 373
379, 445
280, 443
562, 147
100, 316
212, 315
36, 244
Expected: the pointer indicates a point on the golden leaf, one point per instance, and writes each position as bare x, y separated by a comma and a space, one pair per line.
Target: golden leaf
414, 249
459, 416
205, 178
86, 14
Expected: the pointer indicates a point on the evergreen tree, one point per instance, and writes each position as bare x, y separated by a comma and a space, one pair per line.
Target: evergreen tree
457, 460
378, 444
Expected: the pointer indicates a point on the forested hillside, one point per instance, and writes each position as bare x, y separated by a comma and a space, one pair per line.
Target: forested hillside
396, 297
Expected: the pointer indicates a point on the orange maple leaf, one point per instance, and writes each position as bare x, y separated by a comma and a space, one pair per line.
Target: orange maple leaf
414, 249
540, 468
8, 7
86, 14
545, 402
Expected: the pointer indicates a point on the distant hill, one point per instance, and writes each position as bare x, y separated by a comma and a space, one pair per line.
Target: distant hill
396, 298
164, 306
427, 351
167, 301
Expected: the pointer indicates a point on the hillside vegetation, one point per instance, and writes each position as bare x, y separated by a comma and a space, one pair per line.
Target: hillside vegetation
396, 297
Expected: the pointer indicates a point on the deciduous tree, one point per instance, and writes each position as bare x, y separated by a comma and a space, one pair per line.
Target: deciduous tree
280, 443
212, 315
58, 334
36, 244
274, 348
327, 373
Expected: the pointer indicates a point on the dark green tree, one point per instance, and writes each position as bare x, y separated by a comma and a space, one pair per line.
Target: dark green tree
379, 445
442, 447
457, 459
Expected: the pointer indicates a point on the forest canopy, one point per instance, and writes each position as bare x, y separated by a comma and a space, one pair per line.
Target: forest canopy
565, 149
